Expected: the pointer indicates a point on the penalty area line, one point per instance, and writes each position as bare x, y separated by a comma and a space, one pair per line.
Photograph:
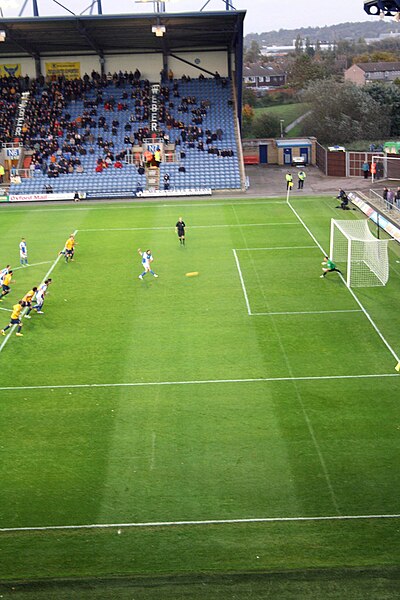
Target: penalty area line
277, 248
221, 226
198, 523
307, 312
46, 262
195, 382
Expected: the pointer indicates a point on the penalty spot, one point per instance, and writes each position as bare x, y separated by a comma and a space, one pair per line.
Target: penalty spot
192, 274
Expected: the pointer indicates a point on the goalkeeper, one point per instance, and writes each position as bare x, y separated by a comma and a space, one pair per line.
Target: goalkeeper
328, 266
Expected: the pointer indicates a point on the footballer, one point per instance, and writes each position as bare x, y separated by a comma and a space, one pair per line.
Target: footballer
147, 259
15, 319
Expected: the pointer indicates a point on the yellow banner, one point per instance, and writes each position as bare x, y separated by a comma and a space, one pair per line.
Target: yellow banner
70, 70
10, 70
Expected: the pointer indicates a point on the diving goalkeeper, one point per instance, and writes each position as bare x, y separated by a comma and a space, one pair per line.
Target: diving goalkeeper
328, 266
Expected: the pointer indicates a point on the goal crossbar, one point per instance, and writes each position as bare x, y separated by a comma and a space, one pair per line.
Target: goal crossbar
365, 256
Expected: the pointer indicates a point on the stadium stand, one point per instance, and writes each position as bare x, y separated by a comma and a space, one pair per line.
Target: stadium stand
78, 134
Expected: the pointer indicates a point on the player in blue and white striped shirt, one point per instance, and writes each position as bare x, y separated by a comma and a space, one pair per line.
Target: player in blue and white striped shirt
147, 259
23, 253
3, 273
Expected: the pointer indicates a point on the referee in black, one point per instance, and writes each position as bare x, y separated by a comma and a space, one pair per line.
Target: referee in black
180, 230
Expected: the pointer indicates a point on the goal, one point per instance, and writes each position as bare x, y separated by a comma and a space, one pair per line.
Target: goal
365, 257
386, 167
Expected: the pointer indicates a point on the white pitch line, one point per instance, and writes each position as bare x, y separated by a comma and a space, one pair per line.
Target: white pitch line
198, 523
140, 205
278, 248
222, 226
364, 310
23, 312
72, 386
46, 262
7, 309
242, 282
307, 312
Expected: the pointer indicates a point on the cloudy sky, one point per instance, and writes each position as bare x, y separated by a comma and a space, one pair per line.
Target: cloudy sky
262, 15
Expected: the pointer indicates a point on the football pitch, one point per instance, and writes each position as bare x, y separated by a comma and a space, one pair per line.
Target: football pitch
239, 422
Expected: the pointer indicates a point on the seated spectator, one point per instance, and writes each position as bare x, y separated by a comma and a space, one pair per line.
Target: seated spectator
48, 189
118, 164
99, 168
181, 169
79, 169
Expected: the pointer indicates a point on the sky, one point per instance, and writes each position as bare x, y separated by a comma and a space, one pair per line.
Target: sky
262, 15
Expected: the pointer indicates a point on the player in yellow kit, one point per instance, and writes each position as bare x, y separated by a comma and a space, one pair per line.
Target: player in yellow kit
7, 279
28, 299
15, 319
70, 248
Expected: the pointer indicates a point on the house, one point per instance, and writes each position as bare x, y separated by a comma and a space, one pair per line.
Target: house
263, 76
363, 73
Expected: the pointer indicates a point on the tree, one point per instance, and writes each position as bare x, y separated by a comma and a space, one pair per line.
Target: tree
303, 70
309, 49
265, 126
249, 96
247, 120
252, 54
342, 112
377, 56
298, 44
388, 97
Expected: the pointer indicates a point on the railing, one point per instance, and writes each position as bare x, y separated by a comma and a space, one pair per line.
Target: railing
380, 201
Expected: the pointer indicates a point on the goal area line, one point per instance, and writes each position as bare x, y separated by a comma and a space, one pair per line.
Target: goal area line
288, 312
196, 382
150, 524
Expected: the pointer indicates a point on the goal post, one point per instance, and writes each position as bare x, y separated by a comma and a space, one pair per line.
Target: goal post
365, 258
385, 167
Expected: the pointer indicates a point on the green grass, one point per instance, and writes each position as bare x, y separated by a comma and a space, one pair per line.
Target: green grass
228, 415
288, 112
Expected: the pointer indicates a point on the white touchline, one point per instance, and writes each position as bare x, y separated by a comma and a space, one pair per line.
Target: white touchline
139, 205
44, 279
46, 262
70, 386
7, 309
364, 310
242, 282
199, 523
307, 312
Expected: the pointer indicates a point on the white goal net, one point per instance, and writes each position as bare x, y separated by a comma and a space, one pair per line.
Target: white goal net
364, 256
